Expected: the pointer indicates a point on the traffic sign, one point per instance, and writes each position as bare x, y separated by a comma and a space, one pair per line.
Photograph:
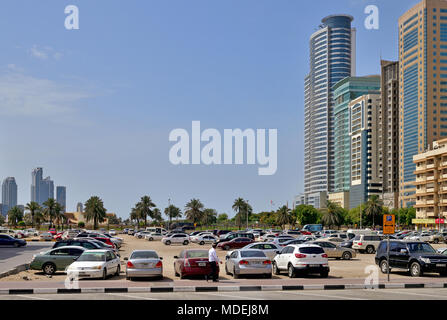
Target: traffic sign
389, 224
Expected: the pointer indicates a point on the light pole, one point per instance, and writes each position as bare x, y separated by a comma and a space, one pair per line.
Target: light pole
169, 210
246, 212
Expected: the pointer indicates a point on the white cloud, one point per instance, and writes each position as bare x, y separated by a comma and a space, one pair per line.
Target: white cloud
25, 95
44, 53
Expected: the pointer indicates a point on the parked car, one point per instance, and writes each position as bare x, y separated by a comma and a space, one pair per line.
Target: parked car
193, 238
313, 227
347, 244
32, 232
141, 234
131, 232
112, 232
422, 236
144, 263
95, 264
293, 241
7, 240
334, 251
56, 259
222, 232
153, 236
182, 238
248, 262
366, 243
414, 256
236, 243
192, 262
281, 239
206, 238
10, 232
292, 233
301, 259
87, 244
436, 237
270, 249
105, 240
116, 240
233, 235
268, 236
46, 236
70, 234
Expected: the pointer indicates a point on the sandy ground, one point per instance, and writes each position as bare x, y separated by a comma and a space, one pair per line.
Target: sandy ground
354, 268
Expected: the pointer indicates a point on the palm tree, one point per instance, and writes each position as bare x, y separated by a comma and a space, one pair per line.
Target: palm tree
209, 216
94, 210
239, 206
194, 210
332, 215
15, 214
172, 212
283, 216
373, 208
33, 207
49, 211
156, 215
59, 214
145, 208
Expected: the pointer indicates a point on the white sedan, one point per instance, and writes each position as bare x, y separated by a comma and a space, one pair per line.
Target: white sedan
95, 264
46, 236
195, 237
179, 238
207, 238
153, 236
269, 248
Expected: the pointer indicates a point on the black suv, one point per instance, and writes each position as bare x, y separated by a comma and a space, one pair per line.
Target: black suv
415, 256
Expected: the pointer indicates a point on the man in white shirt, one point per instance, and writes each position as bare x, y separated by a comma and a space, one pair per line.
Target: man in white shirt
214, 260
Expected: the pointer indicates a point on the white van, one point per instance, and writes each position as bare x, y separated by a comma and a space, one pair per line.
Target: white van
156, 230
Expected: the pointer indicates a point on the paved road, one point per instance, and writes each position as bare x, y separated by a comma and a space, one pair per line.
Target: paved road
11, 257
355, 294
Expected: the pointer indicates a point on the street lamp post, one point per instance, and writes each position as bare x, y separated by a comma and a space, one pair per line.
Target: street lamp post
246, 212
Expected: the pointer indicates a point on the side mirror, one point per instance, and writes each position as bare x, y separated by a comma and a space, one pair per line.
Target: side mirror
278, 252
75, 258
126, 258
227, 257
175, 257
161, 258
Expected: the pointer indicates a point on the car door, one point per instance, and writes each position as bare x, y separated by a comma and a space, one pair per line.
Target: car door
282, 257
111, 262
75, 253
330, 249
61, 258
231, 261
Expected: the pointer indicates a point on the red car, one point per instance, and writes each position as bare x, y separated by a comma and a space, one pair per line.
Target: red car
52, 231
105, 240
58, 236
192, 262
236, 243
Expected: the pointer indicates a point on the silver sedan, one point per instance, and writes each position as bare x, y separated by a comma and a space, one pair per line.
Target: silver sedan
144, 263
248, 261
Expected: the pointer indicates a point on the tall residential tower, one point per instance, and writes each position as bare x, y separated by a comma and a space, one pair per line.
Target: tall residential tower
9, 194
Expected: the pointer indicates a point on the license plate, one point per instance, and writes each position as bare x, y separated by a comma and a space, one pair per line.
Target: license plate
314, 265
202, 264
443, 265
255, 262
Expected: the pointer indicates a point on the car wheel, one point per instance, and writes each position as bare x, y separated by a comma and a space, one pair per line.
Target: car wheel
436, 240
168, 242
291, 271
118, 270
324, 274
176, 273
49, 268
226, 270
275, 268
182, 276
384, 266
16, 244
202, 243
227, 247
415, 269
235, 275
151, 239
347, 255
104, 274
185, 242
369, 249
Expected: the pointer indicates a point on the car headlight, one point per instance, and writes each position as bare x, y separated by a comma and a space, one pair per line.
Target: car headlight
426, 260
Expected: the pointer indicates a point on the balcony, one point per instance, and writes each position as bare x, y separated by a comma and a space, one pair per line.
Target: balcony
430, 166
430, 178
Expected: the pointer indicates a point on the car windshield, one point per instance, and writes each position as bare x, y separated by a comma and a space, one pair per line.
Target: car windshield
197, 254
92, 256
144, 255
252, 254
420, 247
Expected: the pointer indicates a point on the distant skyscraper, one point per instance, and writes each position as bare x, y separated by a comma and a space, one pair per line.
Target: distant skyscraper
9, 194
79, 207
61, 196
47, 189
41, 189
332, 58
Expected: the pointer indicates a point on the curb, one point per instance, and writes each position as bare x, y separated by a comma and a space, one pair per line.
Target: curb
15, 270
223, 288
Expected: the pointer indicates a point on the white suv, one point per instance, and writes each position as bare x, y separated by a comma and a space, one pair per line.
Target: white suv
302, 258
368, 243
182, 238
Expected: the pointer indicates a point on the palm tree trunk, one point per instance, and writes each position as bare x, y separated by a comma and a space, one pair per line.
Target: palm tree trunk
32, 219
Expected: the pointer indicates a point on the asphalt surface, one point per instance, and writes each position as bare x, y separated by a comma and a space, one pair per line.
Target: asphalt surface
354, 294
11, 257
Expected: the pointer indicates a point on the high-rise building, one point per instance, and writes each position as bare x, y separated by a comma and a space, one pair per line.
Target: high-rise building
61, 196
363, 132
345, 91
388, 138
423, 87
9, 194
41, 189
332, 58
47, 189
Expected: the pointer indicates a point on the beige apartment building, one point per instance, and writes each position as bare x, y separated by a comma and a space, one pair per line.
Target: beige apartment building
340, 198
431, 184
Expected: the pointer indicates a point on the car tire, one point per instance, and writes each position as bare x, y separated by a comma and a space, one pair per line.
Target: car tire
275, 269
226, 270
227, 247
16, 245
384, 266
168, 242
436, 241
291, 271
324, 274
185, 243
176, 273
347, 255
118, 270
104, 274
202, 243
415, 269
49, 268
151, 239
182, 276
370, 249
235, 275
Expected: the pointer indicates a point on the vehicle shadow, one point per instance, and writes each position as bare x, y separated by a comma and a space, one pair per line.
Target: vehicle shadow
8, 252
407, 274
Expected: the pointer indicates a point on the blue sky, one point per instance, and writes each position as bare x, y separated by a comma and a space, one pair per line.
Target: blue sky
95, 106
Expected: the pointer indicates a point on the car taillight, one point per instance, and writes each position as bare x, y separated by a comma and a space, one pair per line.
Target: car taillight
300, 255
324, 255
159, 264
243, 262
187, 264
359, 243
267, 262
130, 265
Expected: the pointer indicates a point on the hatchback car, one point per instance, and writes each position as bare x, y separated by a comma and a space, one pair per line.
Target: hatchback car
95, 264
192, 262
56, 259
144, 263
301, 259
248, 262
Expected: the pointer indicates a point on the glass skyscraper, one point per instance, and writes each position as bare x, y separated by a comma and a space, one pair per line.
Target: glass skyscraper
332, 58
9, 194
41, 189
61, 196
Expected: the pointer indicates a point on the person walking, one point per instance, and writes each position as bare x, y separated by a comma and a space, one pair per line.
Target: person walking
214, 260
